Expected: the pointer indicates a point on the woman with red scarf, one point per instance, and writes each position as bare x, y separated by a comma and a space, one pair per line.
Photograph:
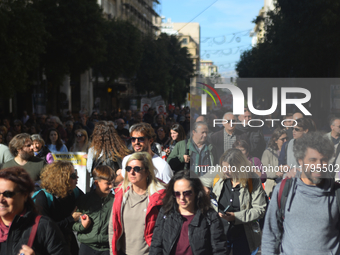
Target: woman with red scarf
18, 218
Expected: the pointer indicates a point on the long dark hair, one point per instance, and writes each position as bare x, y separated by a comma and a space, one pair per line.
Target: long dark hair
202, 201
181, 133
59, 143
275, 136
22, 179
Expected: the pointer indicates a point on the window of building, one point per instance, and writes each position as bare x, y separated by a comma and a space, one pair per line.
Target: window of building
185, 41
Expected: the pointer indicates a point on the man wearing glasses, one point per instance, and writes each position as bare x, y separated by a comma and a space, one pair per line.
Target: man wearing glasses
21, 147
141, 136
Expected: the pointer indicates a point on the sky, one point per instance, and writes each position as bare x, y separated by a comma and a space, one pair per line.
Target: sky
225, 27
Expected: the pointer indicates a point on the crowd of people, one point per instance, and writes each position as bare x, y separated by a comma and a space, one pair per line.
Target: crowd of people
171, 183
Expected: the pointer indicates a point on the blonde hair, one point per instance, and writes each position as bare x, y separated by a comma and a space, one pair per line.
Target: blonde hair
236, 159
86, 145
149, 168
55, 178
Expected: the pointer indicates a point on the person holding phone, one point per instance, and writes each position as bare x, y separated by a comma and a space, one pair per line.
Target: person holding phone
240, 201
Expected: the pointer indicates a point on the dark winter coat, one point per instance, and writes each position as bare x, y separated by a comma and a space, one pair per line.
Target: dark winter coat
48, 240
206, 234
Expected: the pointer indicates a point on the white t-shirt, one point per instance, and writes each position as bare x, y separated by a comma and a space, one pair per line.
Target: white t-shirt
162, 171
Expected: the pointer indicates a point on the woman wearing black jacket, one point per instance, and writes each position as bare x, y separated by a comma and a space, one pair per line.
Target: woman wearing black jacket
186, 209
58, 198
18, 215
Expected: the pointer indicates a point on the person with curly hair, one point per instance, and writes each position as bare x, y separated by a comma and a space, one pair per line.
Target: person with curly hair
54, 142
107, 148
18, 216
58, 198
187, 224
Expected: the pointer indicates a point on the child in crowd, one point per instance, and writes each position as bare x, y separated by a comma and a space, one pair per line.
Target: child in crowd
96, 208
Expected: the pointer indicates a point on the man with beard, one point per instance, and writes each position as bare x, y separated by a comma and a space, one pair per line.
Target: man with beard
141, 135
253, 135
303, 214
21, 147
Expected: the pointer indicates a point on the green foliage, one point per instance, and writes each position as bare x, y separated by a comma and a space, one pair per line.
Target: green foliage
165, 69
76, 39
22, 37
301, 40
123, 51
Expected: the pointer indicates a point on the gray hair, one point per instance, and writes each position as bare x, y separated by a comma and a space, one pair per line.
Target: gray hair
331, 123
199, 123
314, 140
56, 118
37, 137
228, 113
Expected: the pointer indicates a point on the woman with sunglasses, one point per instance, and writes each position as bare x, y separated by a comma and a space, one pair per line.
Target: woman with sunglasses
82, 141
54, 142
58, 198
187, 209
240, 201
135, 209
107, 148
270, 159
18, 215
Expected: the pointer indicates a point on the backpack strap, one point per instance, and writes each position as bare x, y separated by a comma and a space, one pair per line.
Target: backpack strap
282, 196
337, 193
48, 195
33, 231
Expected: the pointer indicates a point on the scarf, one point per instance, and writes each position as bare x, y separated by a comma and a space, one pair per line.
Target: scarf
3, 231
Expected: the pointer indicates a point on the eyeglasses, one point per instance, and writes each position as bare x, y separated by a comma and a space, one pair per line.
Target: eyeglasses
8, 194
80, 135
74, 175
139, 139
297, 129
136, 169
187, 193
161, 129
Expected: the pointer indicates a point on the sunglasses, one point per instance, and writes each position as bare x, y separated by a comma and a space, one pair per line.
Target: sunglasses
297, 129
80, 135
187, 193
74, 175
8, 194
136, 169
139, 139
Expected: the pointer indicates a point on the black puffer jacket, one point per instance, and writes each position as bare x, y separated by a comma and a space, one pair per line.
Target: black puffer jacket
48, 240
205, 234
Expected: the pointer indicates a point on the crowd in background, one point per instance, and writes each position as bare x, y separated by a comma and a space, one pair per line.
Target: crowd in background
155, 203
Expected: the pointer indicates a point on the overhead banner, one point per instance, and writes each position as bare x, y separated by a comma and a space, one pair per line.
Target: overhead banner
79, 163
